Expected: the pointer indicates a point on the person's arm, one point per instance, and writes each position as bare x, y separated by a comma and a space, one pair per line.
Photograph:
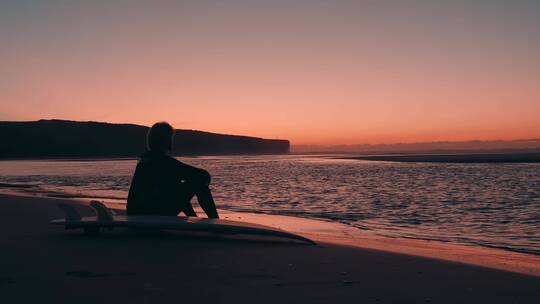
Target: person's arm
193, 175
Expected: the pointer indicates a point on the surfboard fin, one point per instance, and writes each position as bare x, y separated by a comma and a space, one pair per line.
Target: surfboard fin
70, 212
103, 213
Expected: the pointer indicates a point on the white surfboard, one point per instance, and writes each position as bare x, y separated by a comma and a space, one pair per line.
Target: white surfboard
105, 218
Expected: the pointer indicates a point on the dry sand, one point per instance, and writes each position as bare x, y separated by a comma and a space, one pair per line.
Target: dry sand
41, 262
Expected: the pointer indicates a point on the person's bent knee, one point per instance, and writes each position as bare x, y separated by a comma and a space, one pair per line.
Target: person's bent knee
206, 178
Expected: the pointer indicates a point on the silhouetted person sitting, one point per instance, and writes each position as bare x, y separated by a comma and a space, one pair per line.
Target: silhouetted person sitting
162, 185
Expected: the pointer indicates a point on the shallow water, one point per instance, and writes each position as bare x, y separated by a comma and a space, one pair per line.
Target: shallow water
495, 205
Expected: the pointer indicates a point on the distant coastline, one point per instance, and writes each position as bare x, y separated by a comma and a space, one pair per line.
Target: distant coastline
438, 147
63, 139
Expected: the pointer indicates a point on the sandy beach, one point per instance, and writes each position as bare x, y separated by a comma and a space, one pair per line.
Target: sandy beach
41, 262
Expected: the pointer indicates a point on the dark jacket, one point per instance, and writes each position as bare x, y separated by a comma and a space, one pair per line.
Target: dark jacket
161, 184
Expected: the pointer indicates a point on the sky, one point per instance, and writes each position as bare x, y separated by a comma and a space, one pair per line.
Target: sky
313, 72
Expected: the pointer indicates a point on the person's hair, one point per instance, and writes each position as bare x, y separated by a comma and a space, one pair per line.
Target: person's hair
160, 137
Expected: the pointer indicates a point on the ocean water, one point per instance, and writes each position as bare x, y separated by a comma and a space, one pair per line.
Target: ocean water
493, 205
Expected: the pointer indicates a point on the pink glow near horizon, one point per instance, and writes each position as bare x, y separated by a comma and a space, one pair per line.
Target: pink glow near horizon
309, 72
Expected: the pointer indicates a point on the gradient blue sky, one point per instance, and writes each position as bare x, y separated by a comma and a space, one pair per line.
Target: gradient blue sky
315, 72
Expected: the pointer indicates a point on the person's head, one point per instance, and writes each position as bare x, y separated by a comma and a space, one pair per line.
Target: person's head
160, 137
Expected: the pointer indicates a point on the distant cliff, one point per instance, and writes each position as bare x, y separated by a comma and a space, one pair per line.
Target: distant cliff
62, 138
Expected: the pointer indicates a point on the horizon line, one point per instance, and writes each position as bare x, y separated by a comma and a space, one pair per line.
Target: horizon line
303, 145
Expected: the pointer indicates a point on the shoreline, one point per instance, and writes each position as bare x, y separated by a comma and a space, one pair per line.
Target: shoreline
119, 203
342, 234
346, 235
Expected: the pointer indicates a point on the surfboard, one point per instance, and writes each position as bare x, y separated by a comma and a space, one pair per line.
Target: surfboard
107, 219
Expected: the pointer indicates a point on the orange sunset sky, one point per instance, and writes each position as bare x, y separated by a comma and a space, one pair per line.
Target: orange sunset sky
313, 72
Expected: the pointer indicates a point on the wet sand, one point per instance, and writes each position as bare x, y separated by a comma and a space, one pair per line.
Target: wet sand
41, 262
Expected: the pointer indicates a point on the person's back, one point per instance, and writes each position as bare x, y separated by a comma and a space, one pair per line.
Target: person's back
162, 185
